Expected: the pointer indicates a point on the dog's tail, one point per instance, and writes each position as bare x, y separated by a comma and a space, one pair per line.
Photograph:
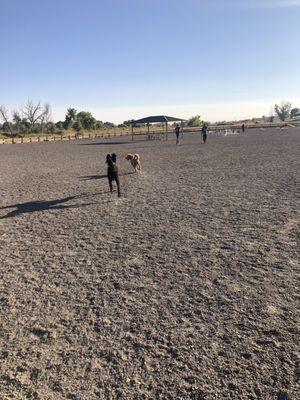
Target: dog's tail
136, 157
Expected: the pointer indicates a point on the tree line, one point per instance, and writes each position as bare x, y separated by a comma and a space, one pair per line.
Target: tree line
36, 118
27, 119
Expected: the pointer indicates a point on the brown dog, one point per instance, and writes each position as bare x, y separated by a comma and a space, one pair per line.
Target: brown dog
135, 160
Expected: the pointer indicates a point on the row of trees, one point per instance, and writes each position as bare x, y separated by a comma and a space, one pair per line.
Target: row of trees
82, 120
30, 118
37, 118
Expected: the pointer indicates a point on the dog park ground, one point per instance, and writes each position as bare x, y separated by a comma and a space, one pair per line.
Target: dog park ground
185, 288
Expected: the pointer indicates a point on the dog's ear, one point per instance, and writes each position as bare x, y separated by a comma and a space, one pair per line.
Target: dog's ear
114, 157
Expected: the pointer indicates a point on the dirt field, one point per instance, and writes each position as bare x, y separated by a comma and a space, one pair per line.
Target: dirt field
185, 288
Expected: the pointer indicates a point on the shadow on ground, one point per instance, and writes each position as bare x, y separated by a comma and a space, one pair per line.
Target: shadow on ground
42, 205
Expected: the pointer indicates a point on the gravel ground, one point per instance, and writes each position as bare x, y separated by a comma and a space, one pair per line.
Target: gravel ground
187, 287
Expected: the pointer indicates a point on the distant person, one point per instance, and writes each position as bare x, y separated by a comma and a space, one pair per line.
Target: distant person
243, 128
177, 132
204, 132
112, 172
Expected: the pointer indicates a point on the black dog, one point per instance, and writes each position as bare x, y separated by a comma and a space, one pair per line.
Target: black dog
112, 172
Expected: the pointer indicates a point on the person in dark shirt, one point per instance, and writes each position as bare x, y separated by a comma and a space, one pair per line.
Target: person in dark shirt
112, 172
204, 132
177, 132
243, 128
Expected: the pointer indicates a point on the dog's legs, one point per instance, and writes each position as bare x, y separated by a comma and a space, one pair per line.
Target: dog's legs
110, 185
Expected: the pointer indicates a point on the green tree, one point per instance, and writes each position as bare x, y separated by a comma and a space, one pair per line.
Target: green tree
24, 126
87, 120
70, 118
99, 125
283, 110
17, 120
7, 128
128, 122
77, 126
294, 112
108, 125
51, 128
59, 125
195, 121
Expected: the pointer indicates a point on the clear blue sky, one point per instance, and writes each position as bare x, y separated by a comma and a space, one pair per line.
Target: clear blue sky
130, 58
